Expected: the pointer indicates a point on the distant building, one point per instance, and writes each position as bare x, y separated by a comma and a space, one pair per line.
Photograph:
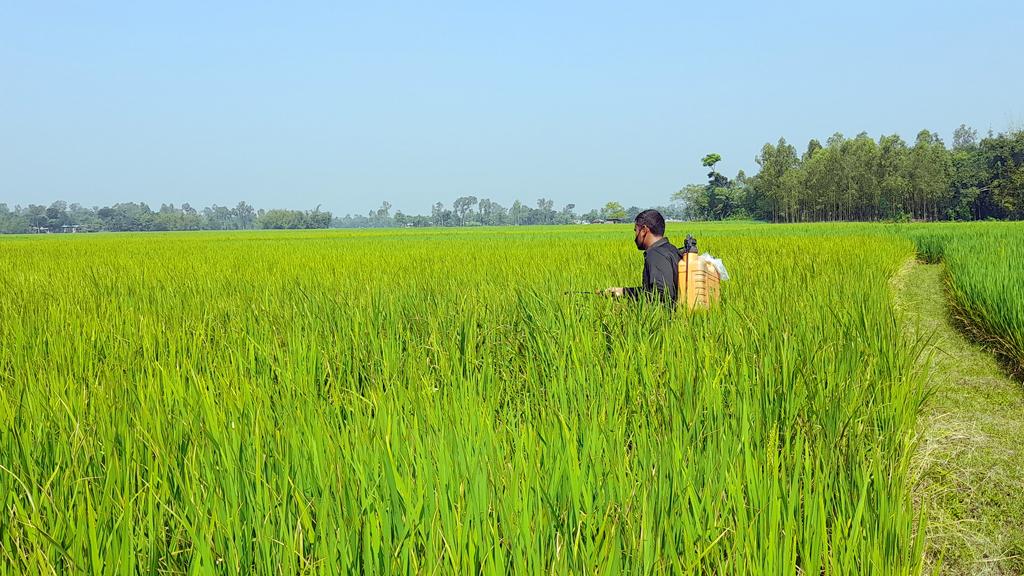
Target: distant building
65, 229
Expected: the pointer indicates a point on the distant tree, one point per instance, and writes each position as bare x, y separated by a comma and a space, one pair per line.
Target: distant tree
893, 177
517, 213
36, 214
167, 218
964, 137
126, 217
544, 214
381, 217
219, 218
1003, 157
812, 147
673, 211
862, 157
769, 196
316, 218
720, 200
930, 176
491, 213
245, 215
693, 199
710, 160
566, 215
85, 217
57, 215
613, 210
462, 206
12, 221
282, 219
441, 216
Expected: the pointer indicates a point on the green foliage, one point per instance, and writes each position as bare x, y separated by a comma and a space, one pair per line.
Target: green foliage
138, 217
710, 160
770, 194
613, 210
284, 403
462, 213
719, 199
294, 219
861, 179
985, 281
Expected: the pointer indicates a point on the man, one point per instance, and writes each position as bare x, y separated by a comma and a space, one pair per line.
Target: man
661, 261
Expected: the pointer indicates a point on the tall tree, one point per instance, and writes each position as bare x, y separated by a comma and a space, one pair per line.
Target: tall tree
893, 177
773, 199
245, 214
462, 206
930, 176
517, 213
710, 160
613, 210
964, 137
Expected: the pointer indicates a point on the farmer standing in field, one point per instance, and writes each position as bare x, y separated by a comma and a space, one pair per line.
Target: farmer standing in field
661, 261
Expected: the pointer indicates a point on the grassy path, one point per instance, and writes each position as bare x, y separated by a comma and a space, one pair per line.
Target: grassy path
970, 463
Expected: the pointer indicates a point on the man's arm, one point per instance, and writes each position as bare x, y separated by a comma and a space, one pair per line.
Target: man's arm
659, 277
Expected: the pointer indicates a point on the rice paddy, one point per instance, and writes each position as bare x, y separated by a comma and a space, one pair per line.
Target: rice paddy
431, 401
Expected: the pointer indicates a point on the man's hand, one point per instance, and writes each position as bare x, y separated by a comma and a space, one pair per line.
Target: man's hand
615, 292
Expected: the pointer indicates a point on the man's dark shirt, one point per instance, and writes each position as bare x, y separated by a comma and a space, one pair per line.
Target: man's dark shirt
661, 269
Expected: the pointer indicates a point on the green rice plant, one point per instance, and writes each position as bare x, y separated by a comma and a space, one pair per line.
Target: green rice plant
429, 401
985, 280
986, 284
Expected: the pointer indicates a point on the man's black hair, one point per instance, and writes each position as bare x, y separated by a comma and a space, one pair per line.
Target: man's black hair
654, 221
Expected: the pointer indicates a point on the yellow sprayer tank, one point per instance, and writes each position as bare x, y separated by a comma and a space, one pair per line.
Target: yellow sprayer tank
698, 282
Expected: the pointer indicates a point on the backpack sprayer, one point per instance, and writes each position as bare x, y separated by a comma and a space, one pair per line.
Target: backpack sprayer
698, 278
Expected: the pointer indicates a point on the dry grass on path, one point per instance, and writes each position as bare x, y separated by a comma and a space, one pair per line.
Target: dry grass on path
970, 461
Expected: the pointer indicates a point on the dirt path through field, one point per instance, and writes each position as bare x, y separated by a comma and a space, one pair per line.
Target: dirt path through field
970, 462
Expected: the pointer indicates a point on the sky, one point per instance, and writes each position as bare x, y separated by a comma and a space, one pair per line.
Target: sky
347, 105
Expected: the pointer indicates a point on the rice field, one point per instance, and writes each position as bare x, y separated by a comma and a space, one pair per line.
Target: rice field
431, 401
985, 280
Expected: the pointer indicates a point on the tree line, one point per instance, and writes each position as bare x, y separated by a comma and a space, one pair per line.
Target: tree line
866, 180
471, 211
138, 217
843, 179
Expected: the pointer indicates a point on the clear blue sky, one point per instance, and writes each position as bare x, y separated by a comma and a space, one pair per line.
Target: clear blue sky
346, 105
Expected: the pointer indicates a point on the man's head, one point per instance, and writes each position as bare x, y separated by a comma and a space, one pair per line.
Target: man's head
649, 227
